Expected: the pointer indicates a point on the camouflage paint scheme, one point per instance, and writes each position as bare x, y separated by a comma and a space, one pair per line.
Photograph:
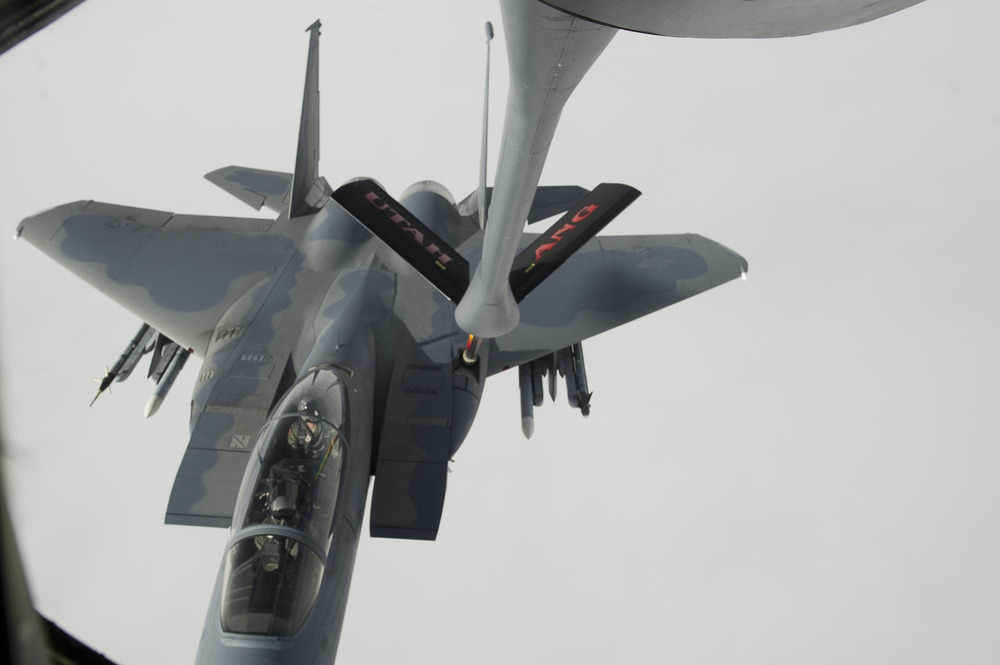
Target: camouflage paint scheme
264, 303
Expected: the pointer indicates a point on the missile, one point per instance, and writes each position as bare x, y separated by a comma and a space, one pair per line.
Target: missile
167, 381
126, 361
567, 362
527, 400
144, 346
553, 384
164, 350
567, 368
580, 371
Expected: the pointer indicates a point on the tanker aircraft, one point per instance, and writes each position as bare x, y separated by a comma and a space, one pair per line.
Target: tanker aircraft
351, 337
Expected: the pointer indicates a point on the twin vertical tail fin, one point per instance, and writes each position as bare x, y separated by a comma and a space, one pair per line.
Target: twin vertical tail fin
583, 221
428, 253
414, 241
446, 269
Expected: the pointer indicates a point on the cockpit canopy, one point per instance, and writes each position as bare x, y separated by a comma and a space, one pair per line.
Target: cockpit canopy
287, 507
270, 586
299, 460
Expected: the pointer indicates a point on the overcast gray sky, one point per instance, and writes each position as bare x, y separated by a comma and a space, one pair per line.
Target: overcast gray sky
802, 468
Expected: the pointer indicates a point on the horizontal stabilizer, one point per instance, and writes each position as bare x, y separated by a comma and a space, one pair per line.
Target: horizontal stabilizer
255, 187
552, 200
397, 227
583, 221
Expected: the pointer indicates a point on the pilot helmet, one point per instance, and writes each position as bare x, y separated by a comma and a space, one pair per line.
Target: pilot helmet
270, 553
308, 407
282, 508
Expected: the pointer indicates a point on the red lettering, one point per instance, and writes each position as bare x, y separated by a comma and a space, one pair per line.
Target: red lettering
584, 213
417, 235
556, 238
542, 249
405, 226
436, 252
374, 199
558, 235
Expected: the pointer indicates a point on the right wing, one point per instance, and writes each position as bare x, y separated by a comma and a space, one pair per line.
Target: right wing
179, 273
200, 281
610, 281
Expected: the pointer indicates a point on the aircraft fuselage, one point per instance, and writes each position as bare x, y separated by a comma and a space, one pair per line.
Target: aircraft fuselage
283, 584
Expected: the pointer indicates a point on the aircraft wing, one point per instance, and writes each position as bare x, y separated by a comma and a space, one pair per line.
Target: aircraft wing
179, 273
610, 281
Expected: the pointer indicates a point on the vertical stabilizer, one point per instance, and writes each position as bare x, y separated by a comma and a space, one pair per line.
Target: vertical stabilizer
308, 189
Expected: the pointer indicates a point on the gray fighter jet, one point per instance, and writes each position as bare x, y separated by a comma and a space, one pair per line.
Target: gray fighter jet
352, 336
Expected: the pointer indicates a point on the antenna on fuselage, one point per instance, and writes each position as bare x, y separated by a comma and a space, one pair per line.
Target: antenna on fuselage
486, 125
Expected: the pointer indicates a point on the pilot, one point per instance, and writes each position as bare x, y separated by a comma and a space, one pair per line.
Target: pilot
305, 436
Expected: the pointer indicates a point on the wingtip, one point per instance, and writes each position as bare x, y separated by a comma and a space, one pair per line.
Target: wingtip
39, 228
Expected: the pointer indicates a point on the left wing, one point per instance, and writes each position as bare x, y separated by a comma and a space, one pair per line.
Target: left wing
610, 281
179, 273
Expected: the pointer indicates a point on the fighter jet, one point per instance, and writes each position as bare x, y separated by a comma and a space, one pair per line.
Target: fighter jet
351, 337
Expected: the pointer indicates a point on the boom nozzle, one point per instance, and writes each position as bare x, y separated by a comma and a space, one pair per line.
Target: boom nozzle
470, 355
